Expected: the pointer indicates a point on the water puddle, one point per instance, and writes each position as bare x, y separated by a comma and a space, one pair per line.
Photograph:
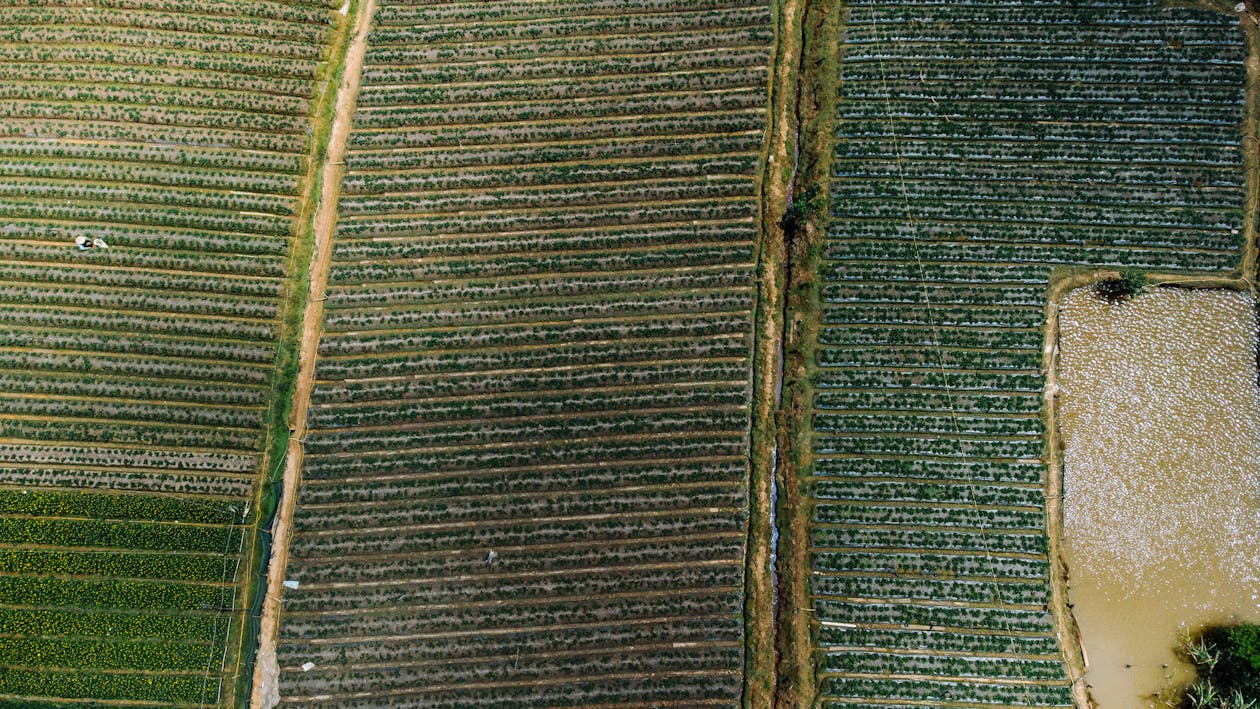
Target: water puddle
1160, 418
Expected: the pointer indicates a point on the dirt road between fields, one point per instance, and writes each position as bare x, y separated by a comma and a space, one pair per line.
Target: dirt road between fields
266, 690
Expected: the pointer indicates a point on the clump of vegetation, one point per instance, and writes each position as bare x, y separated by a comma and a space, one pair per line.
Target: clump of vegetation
804, 205
1228, 661
1118, 290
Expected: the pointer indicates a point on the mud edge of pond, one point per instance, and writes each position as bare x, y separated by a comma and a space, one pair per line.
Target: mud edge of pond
1066, 628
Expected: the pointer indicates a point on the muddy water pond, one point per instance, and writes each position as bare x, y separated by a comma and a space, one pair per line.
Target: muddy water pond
1160, 418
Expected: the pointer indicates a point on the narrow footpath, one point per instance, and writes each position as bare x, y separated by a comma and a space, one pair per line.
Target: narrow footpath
266, 692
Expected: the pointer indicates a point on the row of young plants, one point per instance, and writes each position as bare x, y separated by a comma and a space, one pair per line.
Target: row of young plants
343, 345
529, 642
579, 528
478, 156
410, 274
124, 479
530, 413
575, 503
509, 615
643, 662
531, 403
978, 146
591, 353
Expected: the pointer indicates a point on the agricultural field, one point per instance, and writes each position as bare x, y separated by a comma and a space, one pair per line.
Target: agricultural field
136, 375
980, 146
526, 471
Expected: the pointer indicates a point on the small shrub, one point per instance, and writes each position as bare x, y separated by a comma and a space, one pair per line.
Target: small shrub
1117, 290
1228, 661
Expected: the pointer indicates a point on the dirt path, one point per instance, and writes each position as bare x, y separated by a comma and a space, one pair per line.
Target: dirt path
778, 167
266, 691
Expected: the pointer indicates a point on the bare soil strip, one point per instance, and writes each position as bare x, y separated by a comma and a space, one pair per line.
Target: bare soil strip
266, 691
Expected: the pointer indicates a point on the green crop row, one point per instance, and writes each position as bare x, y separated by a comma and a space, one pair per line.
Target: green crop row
164, 508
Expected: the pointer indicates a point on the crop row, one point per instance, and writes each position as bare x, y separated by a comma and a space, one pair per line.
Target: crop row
529, 404
87, 654
681, 687
640, 661
1220, 257
93, 33
186, 283
530, 614
608, 569
865, 488
521, 532
118, 299
595, 66
588, 638
135, 479
557, 218
1187, 60
123, 565
1063, 147
520, 176
640, 190
105, 387
130, 411
637, 303
929, 564
919, 640
943, 65
610, 148
226, 462
590, 353
553, 286
936, 514
284, 74
528, 429
112, 625
407, 14
913, 590
700, 325
173, 159
78, 596
231, 23
153, 508
148, 194
576, 25
89, 685
169, 249
56, 122
144, 214
387, 59
106, 364
946, 421
1028, 472
382, 273
143, 536
290, 92
169, 96
929, 693
573, 503
988, 540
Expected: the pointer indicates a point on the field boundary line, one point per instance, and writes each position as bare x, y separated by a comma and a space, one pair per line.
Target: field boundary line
266, 691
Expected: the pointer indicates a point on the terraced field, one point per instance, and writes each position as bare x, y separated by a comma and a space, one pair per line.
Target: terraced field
979, 146
135, 378
525, 478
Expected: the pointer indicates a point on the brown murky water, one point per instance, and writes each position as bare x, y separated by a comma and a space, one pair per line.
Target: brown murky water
1160, 417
